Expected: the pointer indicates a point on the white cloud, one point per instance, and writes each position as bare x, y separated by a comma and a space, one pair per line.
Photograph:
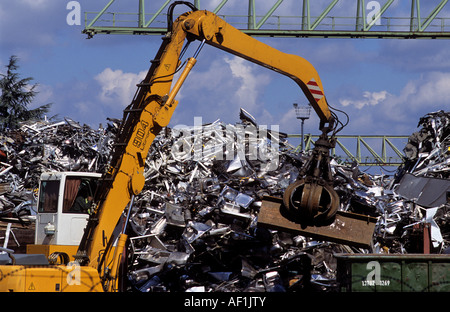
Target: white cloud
250, 83
415, 55
117, 87
382, 112
44, 95
218, 89
369, 98
433, 89
38, 4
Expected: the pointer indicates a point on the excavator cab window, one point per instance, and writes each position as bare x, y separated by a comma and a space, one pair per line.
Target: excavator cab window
78, 194
48, 197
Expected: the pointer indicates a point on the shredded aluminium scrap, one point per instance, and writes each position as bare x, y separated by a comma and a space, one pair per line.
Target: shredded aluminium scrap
427, 152
194, 227
46, 146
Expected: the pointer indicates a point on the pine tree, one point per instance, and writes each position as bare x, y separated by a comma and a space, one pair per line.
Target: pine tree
16, 95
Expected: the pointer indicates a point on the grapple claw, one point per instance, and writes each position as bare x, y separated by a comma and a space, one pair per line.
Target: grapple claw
311, 202
311, 199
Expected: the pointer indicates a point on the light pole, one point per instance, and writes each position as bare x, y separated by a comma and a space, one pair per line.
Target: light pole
302, 113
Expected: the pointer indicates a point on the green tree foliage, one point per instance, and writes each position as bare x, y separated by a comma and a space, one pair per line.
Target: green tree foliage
16, 95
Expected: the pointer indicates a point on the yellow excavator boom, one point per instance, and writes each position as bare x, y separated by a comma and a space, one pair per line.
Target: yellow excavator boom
150, 111
154, 104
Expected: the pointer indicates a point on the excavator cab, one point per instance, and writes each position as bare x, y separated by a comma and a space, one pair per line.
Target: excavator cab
63, 211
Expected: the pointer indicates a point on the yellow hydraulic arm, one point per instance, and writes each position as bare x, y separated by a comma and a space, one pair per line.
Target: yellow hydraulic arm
154, 105
207, 26
149, 112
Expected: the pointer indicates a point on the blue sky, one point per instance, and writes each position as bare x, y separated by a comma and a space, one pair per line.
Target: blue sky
384, 85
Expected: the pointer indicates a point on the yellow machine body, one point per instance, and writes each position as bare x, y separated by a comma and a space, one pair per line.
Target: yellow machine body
52, 278
47, 250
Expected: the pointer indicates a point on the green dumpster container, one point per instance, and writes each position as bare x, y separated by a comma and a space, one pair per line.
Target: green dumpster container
391, 273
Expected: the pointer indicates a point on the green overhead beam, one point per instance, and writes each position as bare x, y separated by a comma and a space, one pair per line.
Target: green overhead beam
268, 14
221, 4
323, 15
423, 26
157, 13
377, 15
371, 19
100, 14
365, 148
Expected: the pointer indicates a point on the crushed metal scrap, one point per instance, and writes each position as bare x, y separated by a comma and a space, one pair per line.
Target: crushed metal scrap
427, 152
46, 146
195, 226
196, 223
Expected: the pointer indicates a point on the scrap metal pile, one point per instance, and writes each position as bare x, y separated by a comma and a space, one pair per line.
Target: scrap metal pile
427, 152
195, 225
46, 146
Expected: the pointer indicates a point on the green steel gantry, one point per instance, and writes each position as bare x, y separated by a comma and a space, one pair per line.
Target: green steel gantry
365, 146
365, 19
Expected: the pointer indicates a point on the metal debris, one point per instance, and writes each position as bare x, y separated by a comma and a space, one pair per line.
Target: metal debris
428, 150
207, 200
194, 227
45, 146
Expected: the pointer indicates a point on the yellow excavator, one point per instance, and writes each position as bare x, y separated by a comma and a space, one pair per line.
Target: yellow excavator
96, 267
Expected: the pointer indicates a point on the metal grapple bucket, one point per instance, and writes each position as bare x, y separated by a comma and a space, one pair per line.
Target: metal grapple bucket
311, 201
